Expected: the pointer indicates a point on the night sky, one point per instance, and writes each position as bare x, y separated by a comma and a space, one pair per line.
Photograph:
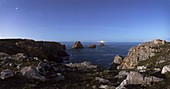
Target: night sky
85, 20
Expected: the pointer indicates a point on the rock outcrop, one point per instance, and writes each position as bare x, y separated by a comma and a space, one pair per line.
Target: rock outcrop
77, 45
141, 52
118, 59
52, 51
92, 46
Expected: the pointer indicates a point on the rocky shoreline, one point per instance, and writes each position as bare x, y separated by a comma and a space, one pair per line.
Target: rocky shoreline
29, 64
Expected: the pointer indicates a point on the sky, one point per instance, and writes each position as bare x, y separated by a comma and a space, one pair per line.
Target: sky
85, 20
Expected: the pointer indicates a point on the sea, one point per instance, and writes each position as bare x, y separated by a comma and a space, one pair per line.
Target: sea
101, 55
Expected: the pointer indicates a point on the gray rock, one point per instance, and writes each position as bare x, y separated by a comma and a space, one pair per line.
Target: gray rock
20, 57
102, 80
157, 69
122, 74
92, 46
141, 68
106, 87
31, 72
118, 59
101, 44
7, 73
36, 58
59, 77
165, 69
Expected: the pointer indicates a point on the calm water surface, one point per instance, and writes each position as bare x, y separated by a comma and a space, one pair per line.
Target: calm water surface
100, 55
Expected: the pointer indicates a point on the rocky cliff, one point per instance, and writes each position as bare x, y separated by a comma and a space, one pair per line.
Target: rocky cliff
52, 51
142, 52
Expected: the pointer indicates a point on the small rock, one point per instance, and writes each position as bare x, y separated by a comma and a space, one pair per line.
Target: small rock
122, 74
7, 73
19, 66
159, 41
101, 80
82, 65
92, 46
137, 78
165, 69
36, 58
157, 69
101, 44
59, 77
106, 87
31, 72
20, 57
141, 68
118, 59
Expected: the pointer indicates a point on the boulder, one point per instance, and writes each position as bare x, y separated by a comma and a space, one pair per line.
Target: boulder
165, 69
31, 72
7, 73
118, 59
77, 45
92, 46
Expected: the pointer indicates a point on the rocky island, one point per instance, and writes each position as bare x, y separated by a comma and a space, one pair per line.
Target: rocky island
77, 45
29, 64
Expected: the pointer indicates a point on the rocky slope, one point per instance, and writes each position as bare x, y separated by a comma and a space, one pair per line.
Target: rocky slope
142, 52
42, 49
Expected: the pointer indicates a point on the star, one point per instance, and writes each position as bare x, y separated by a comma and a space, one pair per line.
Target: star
16, 8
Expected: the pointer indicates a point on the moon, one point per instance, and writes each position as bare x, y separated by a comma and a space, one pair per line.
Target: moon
16, 8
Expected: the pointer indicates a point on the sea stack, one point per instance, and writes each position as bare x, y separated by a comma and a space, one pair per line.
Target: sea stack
101, 44
77, 45
118, 60
92, 46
